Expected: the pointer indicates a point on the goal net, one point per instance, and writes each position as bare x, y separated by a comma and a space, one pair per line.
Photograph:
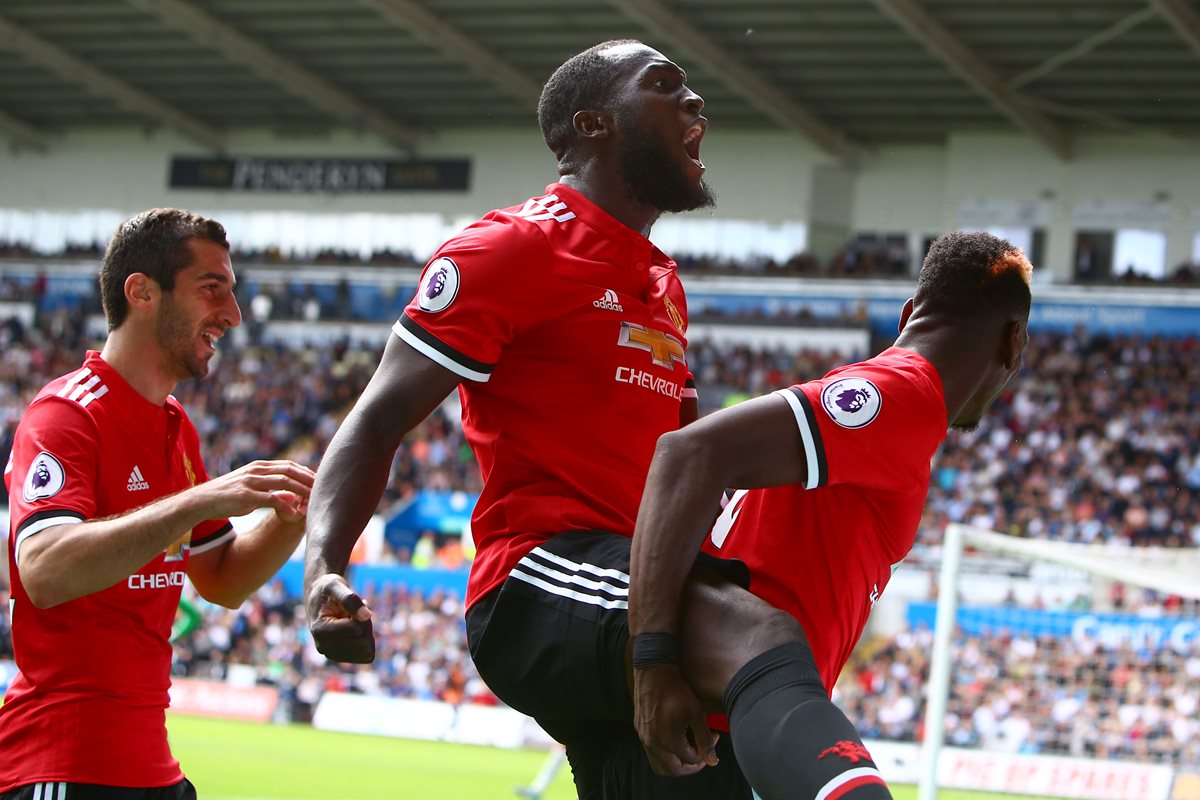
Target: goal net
1081, 682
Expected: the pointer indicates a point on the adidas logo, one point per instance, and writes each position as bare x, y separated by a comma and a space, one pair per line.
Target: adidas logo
608, 301
136, 482
543, 208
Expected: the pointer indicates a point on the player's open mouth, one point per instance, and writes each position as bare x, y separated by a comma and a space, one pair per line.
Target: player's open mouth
210, 339
691, 141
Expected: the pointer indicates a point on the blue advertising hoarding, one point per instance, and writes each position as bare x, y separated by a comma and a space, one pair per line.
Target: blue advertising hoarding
1149, 634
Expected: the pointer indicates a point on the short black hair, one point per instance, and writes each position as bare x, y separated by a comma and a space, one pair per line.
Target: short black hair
583, 82
967, 274
154, 243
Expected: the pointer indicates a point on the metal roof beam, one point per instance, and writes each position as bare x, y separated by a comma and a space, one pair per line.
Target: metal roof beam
951, 50
22, 133
269, 65
458, 46
1183, 18
1084, 47
51, 56
754, 89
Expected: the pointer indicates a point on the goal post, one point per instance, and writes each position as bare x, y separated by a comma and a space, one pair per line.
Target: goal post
1170, 572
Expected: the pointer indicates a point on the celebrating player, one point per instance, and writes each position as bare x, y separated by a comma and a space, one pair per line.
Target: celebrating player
111, 508
563, 328
837, 471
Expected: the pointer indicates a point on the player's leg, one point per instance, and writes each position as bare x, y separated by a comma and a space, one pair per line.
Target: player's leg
551, 640
551, 643
753, 661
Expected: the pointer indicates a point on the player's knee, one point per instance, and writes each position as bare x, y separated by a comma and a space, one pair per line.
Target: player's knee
789, 667
772, 629
724, 628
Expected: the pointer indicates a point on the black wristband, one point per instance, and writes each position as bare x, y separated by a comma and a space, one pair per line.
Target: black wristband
650, 649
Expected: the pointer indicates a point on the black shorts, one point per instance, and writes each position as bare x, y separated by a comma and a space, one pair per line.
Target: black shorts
94, 791
550, 642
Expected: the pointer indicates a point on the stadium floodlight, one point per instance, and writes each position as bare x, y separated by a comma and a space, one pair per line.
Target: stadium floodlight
1166, 571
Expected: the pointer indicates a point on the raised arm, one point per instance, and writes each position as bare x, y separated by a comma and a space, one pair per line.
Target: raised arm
406, 387
228, 573
68, 561
751, 445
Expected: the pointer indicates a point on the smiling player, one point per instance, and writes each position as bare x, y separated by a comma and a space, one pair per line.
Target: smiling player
111, 508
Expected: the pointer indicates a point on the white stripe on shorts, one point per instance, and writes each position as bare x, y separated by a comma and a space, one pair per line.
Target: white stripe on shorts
563, 577
571, 594
578, 566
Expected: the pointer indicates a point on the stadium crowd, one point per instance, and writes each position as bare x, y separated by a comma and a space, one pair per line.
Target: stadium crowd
422, 652
866, 255
1025, 694
1099, 442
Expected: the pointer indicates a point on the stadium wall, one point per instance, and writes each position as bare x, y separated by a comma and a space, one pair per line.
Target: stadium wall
1110, 182
758, 176
972, 180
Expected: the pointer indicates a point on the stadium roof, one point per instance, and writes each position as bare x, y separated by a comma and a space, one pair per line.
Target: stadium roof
846, 74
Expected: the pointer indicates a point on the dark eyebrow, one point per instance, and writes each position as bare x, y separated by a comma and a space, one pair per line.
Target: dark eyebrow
660, 65
211, 276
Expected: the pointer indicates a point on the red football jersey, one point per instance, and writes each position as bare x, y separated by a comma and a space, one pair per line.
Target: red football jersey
569, 330
89, 703
824, 551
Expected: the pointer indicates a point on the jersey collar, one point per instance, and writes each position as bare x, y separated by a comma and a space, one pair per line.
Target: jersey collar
607, 225
128, 397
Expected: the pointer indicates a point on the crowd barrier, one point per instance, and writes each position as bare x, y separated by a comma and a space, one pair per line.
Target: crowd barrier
495, 726
223, 700
1180, 633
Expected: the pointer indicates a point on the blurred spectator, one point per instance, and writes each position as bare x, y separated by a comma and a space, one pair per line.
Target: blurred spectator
421, 649
1048, 695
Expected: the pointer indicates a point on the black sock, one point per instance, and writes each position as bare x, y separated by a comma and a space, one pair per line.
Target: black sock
790, 739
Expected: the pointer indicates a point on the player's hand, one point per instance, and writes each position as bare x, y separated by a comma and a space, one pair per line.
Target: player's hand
340, 621
670, 722
296, 509
282, 485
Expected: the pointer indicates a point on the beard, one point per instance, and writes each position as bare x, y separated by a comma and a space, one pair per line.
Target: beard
653, 175
177, 341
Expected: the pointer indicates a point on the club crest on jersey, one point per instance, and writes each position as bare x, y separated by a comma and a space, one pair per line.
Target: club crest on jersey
439, 287
45, 478
676, 317
852, 402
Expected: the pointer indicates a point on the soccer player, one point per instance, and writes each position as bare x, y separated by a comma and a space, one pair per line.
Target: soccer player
831, 477
564, 330
111, 508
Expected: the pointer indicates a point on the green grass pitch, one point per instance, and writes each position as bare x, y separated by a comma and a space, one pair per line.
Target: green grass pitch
248, 761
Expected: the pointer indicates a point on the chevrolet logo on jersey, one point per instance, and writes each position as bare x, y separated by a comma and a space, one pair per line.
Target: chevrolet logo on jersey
177, 550
664, 348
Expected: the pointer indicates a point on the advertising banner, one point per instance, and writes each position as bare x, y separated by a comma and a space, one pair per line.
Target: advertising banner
1107, 630
213, 699
319, 174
